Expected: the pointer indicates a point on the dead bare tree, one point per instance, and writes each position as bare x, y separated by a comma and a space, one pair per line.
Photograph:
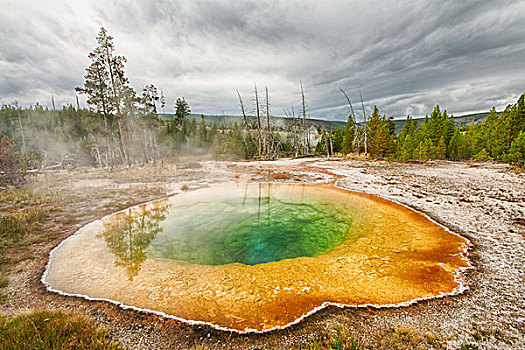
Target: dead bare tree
365, 130
356, 136
327, 144
258, 114
268, 137
243, 111
95, 152
306, 136
290, 114
295, 136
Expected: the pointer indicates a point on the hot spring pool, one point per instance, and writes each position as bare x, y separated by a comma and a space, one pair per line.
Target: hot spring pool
251, 225
255, 257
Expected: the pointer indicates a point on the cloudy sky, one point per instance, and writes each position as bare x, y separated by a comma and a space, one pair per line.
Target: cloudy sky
404, 56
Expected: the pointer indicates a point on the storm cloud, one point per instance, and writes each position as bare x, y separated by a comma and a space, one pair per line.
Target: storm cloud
404, 56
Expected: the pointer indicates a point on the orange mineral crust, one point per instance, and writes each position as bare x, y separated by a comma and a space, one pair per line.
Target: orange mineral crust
388, 255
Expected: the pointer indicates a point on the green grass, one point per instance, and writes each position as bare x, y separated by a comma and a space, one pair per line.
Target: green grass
52, 330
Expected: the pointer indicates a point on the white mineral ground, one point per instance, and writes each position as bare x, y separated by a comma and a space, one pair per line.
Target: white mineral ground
483, 202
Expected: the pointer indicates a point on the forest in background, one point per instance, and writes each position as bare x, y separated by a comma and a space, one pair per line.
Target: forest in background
121, 127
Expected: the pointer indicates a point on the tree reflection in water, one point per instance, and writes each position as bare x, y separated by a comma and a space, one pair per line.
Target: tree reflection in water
129, 234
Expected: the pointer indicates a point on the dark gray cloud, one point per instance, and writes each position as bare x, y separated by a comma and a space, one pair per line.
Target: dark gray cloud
405, 57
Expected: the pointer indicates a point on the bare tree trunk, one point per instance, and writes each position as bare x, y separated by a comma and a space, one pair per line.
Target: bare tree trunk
109, 159
245, 120
258, 113
327, 145
121, 154
295, 138
268, 128
109, 154
356, 133
117, 103
96, 153
53, 102
78, 104
364, 116
306, 137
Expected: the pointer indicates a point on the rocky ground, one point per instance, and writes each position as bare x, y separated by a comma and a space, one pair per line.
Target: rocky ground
484, 202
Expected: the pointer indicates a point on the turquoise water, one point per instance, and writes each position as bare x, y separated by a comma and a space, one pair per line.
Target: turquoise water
249, 224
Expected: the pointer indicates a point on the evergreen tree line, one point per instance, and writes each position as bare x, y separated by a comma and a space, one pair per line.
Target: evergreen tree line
501, 137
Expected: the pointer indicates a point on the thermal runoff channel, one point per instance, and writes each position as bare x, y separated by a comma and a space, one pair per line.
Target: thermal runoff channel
255, 257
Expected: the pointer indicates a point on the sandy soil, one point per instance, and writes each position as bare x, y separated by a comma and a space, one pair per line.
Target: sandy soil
483, 202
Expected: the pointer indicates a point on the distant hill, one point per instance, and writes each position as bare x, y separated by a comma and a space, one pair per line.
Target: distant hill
466, 119
283, 122
275, 121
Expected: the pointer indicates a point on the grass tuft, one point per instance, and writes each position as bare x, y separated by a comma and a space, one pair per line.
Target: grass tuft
336, 339
52, 330
4, 281
400, 339
16, 226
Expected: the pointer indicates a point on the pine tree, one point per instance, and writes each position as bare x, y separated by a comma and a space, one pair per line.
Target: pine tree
406, 151
201, 134
457, 146
235, 143
349, 136
426, 150
448, 127
182, 110
441, 148
250, 146
114, 64
374, 138
436, 127
481, 156
217, 145
516, 154
210, 136
424, 131
406, 141
96, 86
337, 140
382, 139
107, 88
150, 96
